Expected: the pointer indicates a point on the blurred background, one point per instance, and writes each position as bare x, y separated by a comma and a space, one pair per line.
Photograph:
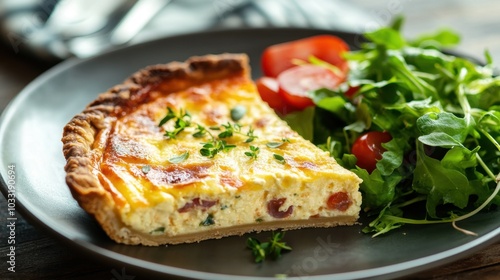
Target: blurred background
54, 30
37, 34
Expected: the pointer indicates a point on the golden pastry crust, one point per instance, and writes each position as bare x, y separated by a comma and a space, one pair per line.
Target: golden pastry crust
86, 139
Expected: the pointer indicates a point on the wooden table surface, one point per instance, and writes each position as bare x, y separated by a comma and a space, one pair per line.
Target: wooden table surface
40, 256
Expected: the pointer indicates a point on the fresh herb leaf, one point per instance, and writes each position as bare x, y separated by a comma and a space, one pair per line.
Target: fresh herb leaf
440, 38
302, 122
200, 132
179, 158
158, 230
272, 249
254, 151
442, 129
251, 135
378, 190
439, 183
170, 115
279, 158
209, 220
258, 249
182, 120
275, 145
387, 37
211, 149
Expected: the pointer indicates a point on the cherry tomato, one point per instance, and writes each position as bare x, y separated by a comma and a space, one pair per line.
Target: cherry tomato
368, 149
295, 83
268, 90
277, 58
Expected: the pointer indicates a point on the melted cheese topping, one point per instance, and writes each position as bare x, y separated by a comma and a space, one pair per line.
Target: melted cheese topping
154, 195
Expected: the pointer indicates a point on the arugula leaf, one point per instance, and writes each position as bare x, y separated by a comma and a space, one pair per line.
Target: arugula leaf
442, 129
378, 191
441, 185
460, 159
440, 38
392, 158
388, 37
302, 122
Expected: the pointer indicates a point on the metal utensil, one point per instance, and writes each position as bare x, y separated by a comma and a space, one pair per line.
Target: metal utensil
135, 20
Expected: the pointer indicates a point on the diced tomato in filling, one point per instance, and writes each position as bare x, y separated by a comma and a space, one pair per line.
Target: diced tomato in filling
273, 208
339, 201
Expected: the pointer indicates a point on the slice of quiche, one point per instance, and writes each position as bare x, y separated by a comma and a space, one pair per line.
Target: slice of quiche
184, 152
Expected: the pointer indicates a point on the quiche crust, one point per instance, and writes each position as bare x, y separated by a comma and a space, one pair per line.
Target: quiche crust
177, 195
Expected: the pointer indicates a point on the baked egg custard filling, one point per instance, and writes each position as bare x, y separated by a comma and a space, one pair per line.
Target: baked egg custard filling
202, 193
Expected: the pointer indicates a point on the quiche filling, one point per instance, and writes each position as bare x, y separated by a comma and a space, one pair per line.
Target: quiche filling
171, 156
230, 188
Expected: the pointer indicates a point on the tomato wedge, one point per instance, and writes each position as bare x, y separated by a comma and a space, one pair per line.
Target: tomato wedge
295, 83
368, 149
268, 90
278, 58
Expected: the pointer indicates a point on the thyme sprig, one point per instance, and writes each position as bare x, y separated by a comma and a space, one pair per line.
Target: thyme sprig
273, 248
217, 143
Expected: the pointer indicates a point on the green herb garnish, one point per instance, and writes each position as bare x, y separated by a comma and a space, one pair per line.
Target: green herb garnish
251, 135
274, 145
212, 148
230, 129
182, 120
254, 151
158, 230
279, 158
272, 249
200, 132
208, 221
179, 158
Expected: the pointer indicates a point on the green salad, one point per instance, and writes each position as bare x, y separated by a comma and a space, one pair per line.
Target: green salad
441, 113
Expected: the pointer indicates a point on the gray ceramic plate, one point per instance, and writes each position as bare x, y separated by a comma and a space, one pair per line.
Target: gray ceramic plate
30, 134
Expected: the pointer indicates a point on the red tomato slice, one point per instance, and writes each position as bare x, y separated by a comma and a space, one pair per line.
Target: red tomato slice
368, 149
296, 82
277, 58
268, 90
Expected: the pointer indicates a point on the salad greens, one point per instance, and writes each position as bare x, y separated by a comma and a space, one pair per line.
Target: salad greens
443, 113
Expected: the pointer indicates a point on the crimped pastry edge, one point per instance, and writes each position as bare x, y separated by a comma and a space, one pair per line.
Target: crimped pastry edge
80, 133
